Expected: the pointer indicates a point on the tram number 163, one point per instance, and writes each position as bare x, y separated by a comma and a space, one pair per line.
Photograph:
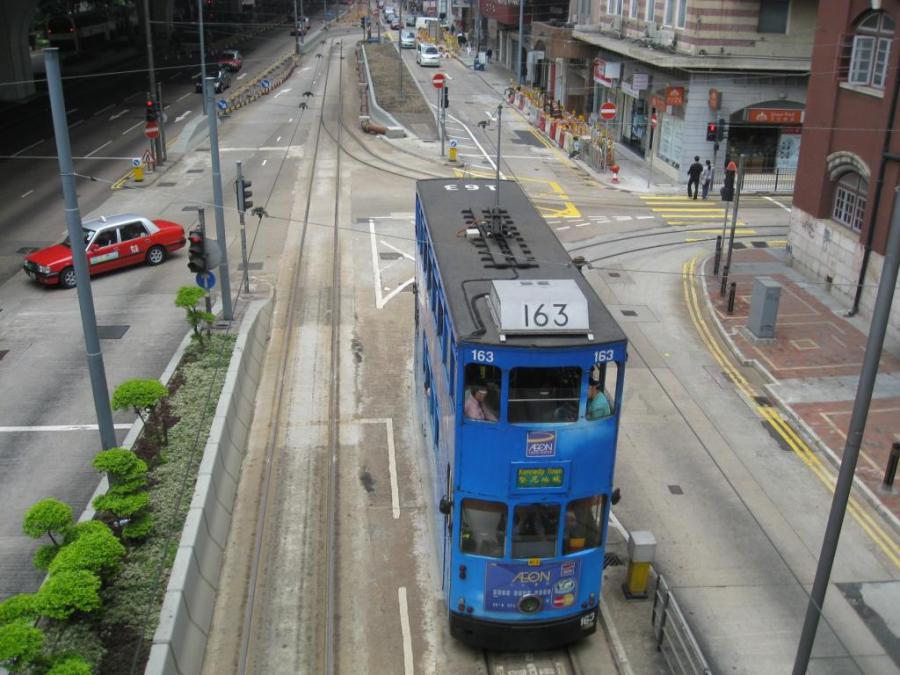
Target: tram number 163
537, 316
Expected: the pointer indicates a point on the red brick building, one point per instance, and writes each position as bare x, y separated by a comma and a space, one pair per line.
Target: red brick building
848, 167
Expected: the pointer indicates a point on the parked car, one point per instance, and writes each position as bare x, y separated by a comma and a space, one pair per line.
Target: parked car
428, 55
110, 243
221, 75
395, 23
408, 39
231, 59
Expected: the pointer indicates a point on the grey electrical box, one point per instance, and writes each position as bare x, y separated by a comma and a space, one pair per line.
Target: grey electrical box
764, 307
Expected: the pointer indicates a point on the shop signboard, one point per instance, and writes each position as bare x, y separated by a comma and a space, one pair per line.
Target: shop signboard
605, 72
775, 115
640, 81
715, 99
674, 95
629, 90
657, 102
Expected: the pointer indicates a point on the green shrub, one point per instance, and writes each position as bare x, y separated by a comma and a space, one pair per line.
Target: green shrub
44, 555
83, 528
121, 506
126, 471
21, 606
20, 642
73, 638
138, 527
71, 665
98, 552
68, 592
187, 298
46, 517
141, 396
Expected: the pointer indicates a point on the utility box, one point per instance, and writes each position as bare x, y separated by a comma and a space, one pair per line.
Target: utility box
641, 551
764, 307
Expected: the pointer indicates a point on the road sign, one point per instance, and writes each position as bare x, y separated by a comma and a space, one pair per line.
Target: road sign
608, 111
135, 162
206, 280
438, 80
454, 143
264, 84
151, 130
653, 120
223, 104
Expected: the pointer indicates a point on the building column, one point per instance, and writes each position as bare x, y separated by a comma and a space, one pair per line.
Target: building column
15, 54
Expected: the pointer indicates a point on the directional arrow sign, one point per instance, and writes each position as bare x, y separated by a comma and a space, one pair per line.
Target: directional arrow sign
222, 104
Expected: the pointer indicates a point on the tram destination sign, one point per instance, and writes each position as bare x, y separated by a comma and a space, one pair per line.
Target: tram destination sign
540, 477
539, 306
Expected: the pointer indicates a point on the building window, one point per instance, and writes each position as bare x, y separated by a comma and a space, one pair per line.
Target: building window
773, 16
850, 200
634, 9
614, 7
871, 49
651, 10
675, 13
584, 11
670, 140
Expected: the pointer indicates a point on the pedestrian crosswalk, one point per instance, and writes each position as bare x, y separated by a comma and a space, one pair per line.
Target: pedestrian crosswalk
681, 210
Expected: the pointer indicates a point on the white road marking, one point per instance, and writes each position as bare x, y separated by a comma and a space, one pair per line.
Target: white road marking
183, 115
408, 663
181, 98
283, 91
133, 126
95, 150
645, 217
103, 110
380, 300
22, 196
302, 70
241, 76
277, 140
392, 461
777, 202
564, 227
27, 147
622, 218
173, 77
290, 119
264, 162
73, 110
137, 93
581, 224
75, 124
394, 248
475, 140
118, 115
58, 427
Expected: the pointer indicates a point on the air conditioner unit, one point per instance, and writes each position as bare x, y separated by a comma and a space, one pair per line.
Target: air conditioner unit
664, 37
616, 23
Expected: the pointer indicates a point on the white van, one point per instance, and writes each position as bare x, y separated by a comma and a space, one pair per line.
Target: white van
425, 21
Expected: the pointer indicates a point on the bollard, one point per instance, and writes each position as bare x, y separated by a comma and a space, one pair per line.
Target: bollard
718, 257
890, 471
641, 550
724, 284
731, 293
138, 173
452, 154
615, 172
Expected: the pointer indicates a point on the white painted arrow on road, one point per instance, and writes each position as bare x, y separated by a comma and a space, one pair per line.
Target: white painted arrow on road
283, 91
118, 115
183, 115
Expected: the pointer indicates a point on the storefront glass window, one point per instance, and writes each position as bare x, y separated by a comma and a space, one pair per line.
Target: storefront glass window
670, 140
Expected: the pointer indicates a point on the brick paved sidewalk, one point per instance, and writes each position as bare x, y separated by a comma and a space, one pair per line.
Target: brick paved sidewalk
814, 363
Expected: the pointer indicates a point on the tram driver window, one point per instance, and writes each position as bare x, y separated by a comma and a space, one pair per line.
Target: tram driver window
583, 524
482, 392
601, 391
544, 394
483, 528
534, 530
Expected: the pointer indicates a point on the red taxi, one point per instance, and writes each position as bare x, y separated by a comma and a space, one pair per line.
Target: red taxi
110, 243
231, 59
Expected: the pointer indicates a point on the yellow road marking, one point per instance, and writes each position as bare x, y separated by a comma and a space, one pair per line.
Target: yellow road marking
867, 523
570, 211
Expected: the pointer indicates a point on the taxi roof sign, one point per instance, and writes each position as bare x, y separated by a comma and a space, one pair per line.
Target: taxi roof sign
539, 306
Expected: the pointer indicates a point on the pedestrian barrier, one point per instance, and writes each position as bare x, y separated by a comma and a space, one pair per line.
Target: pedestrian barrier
269, 80
674, 638
776, 180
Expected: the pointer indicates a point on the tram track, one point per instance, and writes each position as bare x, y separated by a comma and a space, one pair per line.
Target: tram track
550, 662
321, 538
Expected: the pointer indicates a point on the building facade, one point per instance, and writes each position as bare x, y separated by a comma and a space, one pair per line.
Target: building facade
849, 172
689, 63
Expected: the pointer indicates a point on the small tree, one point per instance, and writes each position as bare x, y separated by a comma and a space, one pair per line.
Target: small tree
20, 643
128, 512
15, 607
187, 298
98, 552
71, 664
142, 396
125, 470
46, 517
68, 592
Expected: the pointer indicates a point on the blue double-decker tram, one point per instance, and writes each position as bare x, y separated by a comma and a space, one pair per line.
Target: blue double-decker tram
519, 371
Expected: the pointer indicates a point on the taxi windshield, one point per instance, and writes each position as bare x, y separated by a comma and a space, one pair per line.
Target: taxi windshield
88, 235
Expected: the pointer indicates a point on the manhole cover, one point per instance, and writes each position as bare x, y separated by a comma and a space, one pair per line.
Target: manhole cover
676, 490
251, 266
739, 244
390, 255
629, 312
167, 184
763, 400
760, 244
112, 332
614, 275
195, 170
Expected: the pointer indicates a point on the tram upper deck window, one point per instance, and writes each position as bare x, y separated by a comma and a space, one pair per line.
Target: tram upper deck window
544, 394
482, 392
583, 524
483, 530
534, 530
601, 391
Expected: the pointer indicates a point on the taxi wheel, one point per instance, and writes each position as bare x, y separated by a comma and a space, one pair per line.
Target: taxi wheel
156, 255
67, 278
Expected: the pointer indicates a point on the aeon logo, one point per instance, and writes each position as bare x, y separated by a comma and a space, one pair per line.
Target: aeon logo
540, 444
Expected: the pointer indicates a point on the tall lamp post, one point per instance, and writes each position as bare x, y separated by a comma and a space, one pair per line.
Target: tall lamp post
519, 77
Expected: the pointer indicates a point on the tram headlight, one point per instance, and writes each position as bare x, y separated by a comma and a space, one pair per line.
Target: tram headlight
529, 604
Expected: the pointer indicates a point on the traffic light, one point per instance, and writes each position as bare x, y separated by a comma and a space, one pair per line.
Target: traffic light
242, 186
720, 130
151, 109
197, 252
362, 22
445, 96
712, 131
727, 190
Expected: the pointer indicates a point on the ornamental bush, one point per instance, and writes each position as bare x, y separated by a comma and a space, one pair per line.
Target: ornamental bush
20, 642
187, 298
68, 592
15, 607
142, 396
121, 506
71, 665
83, 528
125, 470
98, 552
43, 556
46, 517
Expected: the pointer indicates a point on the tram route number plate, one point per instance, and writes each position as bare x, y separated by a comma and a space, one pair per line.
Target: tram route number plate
540, 306
540, 477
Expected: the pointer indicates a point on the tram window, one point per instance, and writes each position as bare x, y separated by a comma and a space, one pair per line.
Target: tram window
544, 394
451, 368
601, 401
483, 528
583, 524
482, 392
534, 530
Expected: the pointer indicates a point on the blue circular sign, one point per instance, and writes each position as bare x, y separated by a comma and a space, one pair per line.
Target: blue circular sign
264, 84
206, 280
222, 104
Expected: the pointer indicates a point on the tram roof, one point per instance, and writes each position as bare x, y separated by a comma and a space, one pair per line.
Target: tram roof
466, 275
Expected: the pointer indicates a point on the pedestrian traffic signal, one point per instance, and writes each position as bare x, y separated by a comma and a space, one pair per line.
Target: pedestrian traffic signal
720, 130
151, 109
197, 252
445, 96
362, 22
712, 131
242, 186
727, 190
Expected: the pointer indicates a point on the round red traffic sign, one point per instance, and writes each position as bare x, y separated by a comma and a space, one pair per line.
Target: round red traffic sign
608, 111
151, 130
438, 80
653, 120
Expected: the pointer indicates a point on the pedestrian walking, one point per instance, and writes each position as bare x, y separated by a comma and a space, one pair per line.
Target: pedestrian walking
694, 171
489, 53
706, 178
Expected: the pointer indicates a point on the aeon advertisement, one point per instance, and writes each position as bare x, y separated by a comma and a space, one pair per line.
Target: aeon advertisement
550, 586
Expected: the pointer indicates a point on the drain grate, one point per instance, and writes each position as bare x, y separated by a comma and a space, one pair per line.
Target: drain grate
763, 401
167, 184
390, 255
3, 352
195, 170
251, 266
629, 312
676, 489
611, 560
614, 275
112, 332
760, 244
740, 244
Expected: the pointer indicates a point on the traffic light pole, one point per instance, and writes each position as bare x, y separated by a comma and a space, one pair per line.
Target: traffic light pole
157, 142
161, 121
239, 188
79, 256
212, 120
738, 184
201, 219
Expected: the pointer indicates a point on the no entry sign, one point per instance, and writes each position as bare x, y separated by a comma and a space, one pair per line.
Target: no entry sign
438, 80
608, 111
151, 130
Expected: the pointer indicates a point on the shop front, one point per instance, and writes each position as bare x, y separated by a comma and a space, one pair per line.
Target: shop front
668, 105
767, 134
635, 113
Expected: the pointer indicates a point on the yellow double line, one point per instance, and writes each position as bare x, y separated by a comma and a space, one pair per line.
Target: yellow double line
869, 525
